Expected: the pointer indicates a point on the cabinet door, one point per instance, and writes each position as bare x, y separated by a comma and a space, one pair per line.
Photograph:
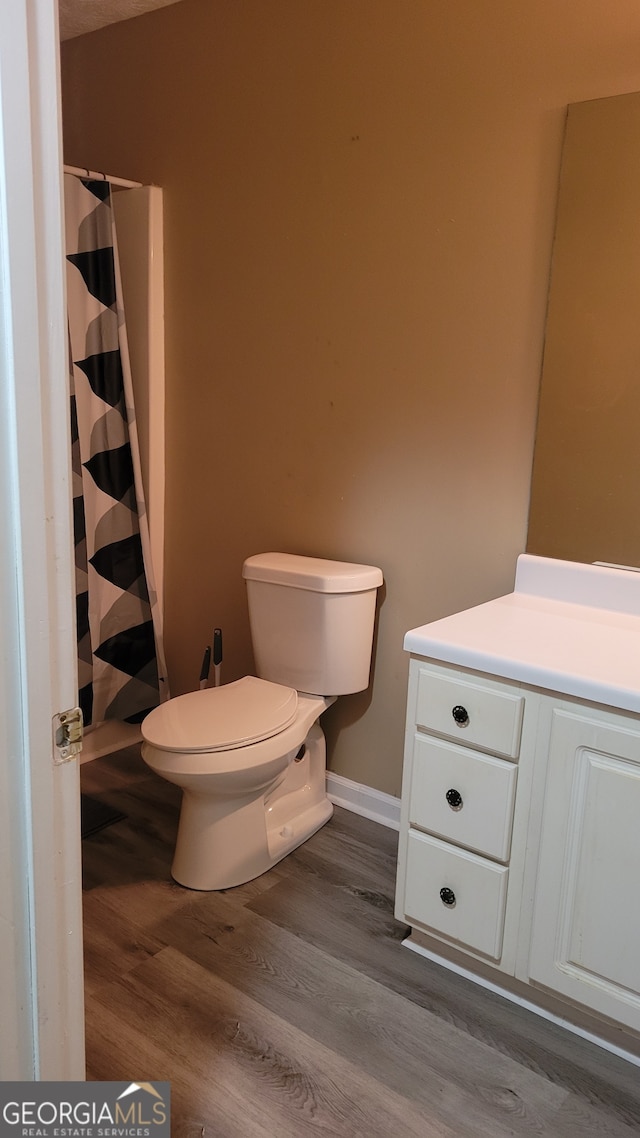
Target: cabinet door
586, 923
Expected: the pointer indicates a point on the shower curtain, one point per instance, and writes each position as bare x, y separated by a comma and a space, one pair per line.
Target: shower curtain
121, 671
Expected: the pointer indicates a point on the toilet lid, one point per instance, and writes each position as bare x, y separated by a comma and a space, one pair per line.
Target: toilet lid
217, 719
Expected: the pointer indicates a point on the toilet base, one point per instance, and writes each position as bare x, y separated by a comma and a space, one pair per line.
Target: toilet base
223, 843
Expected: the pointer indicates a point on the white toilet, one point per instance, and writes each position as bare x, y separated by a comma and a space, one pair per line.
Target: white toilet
250, 755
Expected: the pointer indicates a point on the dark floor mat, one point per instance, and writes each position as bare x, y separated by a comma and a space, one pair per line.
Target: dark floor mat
96, 815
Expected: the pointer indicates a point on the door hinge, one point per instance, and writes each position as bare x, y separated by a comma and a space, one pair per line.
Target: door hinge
67, 735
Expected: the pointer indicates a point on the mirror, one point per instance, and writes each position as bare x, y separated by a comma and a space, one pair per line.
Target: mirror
585, 493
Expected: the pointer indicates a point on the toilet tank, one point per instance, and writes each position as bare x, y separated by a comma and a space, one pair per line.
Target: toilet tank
312, 621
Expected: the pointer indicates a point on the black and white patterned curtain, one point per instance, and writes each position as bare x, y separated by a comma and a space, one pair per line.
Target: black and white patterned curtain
120, 657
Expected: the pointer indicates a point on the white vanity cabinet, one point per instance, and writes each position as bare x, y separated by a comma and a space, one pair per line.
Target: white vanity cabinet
585, 940
519, 847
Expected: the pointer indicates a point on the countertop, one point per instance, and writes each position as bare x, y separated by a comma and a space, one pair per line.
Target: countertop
567, 627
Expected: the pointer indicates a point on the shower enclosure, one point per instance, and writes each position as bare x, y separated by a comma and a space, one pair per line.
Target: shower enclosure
138, 220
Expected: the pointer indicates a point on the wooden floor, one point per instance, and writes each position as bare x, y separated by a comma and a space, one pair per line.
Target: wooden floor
287, 1007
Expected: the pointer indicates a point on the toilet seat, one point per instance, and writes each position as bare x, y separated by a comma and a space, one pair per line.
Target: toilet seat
221, 719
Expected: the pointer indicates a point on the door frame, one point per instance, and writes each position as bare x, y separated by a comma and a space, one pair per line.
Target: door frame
41, 981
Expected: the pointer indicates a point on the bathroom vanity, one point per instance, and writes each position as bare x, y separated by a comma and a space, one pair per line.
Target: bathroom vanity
519, 855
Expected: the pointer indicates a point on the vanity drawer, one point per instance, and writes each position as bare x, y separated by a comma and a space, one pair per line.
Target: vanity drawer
478, 889
470, 712
478, 811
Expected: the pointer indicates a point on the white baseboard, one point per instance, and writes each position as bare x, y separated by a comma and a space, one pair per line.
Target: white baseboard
364, 800
104, 738
530, 1005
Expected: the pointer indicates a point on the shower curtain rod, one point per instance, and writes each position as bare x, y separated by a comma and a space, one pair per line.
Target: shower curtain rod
98, 177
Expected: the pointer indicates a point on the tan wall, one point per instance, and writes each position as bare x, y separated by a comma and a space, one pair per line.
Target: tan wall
359, 205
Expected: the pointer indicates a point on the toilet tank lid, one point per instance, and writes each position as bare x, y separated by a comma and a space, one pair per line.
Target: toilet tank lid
316, 574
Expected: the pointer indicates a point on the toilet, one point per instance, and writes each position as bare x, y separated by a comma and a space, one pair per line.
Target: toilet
250, 755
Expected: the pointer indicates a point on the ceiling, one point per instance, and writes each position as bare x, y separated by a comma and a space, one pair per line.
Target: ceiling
80, 16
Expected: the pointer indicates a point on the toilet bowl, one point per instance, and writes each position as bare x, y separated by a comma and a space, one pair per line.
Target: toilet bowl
228, 833
250, 755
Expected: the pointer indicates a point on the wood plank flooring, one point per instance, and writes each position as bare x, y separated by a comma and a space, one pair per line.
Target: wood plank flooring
287, 1007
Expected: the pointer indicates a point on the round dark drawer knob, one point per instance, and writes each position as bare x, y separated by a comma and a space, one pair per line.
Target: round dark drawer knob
448, 897
461, 715
454, 798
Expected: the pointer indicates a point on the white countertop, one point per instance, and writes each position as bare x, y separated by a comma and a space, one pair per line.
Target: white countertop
567, 627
